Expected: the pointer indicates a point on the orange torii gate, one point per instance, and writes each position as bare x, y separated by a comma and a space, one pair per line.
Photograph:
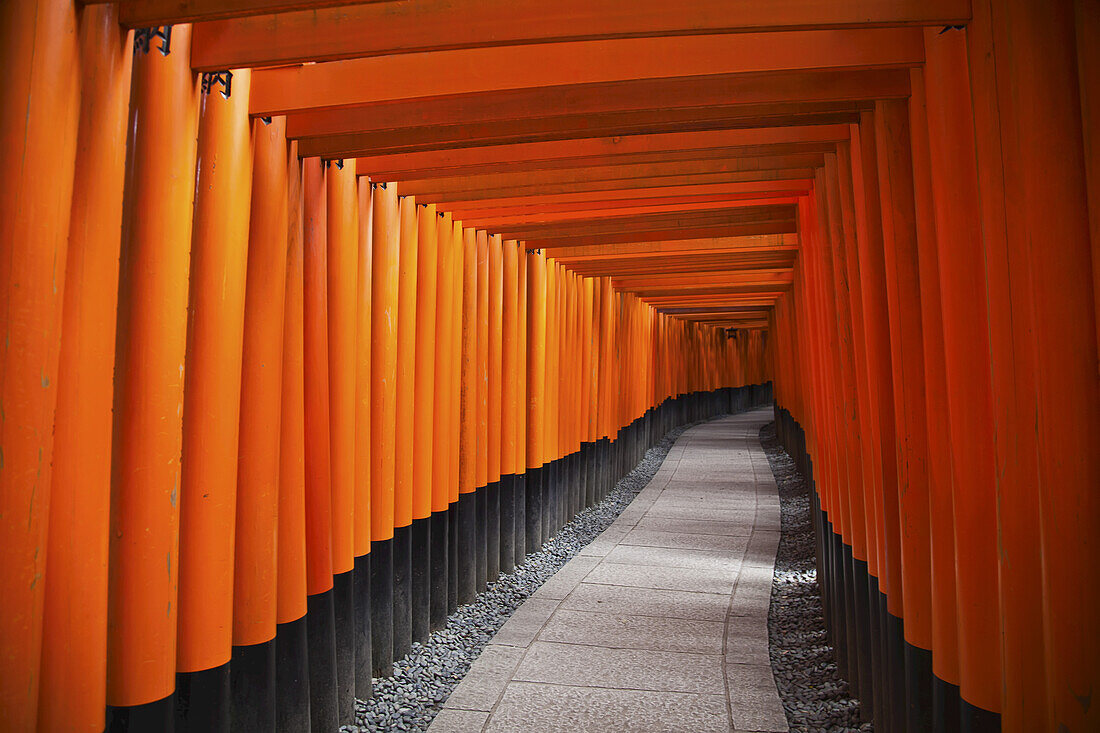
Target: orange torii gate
300, 355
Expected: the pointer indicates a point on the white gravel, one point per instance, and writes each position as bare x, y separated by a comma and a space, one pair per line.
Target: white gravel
814, 695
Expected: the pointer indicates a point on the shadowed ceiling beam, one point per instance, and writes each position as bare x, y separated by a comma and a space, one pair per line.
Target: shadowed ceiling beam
671, 182
632, 96
589, 151
319, 33
467, 71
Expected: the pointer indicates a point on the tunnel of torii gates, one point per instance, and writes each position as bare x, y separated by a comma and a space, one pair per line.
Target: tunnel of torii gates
298, 356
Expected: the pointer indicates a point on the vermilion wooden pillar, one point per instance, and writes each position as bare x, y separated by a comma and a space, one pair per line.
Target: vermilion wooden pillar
468, 413
342, 252
255, 588
550, 426
872, 461
495, 295
292, 708
443, 433
455, 416
1024, 76
481, 378
148, 406
72, 694
320, 619
39, 112
535, 377
405, 436
900, 243
364, 444
521, 509
938, 447
872, 280
509, 379
968, 389
860, 461
211, 408
424, 408
383, 395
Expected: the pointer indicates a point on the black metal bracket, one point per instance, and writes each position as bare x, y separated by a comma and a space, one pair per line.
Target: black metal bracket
338, 162
210, 79
144, 36
951, 28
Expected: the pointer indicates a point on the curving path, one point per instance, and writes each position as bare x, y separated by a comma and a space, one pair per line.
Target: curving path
661, 623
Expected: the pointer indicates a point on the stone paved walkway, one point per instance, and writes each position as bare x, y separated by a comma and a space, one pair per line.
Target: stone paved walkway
661, 623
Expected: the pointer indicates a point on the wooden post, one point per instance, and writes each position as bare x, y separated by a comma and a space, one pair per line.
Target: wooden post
425, 401
292, 708
383, 396
342, 252
72, 694
211, 407
148, 406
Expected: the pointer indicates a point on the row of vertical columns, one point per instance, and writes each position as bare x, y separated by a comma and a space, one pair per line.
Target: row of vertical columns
935, 371
293, 418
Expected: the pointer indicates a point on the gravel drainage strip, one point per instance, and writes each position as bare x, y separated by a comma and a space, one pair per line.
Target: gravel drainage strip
814, 695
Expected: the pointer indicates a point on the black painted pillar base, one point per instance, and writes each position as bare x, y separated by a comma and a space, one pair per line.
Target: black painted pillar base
973, 719
252, 687
533, 514
591, 480
492, 531
578, 491
519, 514
157, 715
324, 710
291, 676
381, 607
877, 661
946, 716
421, 577
607, 477
481, 542
452, 557
343, 593
507, 529
890, 704
918, 687
864, 641
852, 633
895, 650
363, 654
402, 591
546, 494
466, 557
202, 700
439, 571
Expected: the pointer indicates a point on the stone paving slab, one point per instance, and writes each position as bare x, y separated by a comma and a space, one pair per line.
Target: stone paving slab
630, 631
661, 622
624, 599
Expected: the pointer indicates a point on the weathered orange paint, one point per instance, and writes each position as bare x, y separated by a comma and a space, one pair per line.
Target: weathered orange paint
255, 565
316, 374
342, 252
212, 380
72, 693
291, 537
405, 433
364, 439
383, 393
425, 397
149, 363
